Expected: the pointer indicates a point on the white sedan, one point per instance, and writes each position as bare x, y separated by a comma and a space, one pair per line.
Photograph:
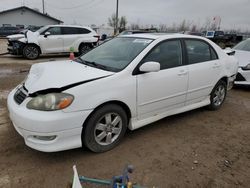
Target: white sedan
242, 52
128, 82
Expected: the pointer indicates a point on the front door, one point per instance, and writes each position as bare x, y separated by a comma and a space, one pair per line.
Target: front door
52, 43
165, 90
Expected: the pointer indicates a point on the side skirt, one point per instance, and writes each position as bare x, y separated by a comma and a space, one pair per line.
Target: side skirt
135, 123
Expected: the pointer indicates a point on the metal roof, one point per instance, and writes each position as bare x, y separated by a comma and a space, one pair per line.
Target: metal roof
32, 10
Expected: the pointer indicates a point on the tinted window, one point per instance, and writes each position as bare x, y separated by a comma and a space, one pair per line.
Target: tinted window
54, 30
74, 31
83, 31
168, 54
199, 51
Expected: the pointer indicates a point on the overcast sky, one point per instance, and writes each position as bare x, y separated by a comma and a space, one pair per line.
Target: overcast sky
233, 13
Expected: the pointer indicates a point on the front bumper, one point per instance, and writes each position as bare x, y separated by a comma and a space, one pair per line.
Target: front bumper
66, 128
15, 47
243, 77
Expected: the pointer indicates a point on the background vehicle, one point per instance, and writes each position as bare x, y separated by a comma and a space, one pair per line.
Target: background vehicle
8, 30
53, 39
242, 52
32, 28
223, 39
127, 82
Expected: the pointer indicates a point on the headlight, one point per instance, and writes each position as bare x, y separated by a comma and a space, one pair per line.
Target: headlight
246, 67
50, 102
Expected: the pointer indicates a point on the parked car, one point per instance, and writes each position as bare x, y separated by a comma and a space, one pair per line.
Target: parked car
8, 30
32, 28
52, 39
223, 39
242, 52
131, 32
127, 82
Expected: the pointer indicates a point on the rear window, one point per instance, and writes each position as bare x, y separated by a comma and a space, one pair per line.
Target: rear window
74, 31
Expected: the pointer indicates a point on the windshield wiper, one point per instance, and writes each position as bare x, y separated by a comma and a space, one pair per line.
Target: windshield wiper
80, 60
94, 64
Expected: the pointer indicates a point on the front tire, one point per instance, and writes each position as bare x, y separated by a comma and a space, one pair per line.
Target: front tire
105, 128
218, 95
31, 52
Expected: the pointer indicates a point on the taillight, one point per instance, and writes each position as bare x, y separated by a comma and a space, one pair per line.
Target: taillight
98, 37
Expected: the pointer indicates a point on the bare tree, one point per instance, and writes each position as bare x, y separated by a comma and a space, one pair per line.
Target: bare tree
162, 27
134, 26
123, 23
112, 20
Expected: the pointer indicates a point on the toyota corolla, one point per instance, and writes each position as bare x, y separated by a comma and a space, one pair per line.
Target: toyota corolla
126, 83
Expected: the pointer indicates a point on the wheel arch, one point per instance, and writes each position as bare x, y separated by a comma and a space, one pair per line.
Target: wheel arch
117, 102
224, 78
85, 43
34, 44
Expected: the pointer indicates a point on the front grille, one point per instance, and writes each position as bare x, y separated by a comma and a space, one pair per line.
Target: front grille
239, 77
20, 95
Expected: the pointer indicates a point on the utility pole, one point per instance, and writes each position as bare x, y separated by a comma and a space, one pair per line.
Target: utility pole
43, 7
116, 17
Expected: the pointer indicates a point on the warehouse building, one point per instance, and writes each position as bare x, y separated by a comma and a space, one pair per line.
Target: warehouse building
25, 16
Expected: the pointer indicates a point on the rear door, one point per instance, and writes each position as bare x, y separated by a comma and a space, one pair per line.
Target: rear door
204, 69
158, 92
71, 35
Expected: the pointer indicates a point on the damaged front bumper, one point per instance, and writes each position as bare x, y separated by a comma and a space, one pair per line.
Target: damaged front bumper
15, 47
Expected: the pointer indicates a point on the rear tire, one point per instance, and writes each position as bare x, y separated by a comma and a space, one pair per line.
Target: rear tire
84, 48
218, 95
31, 52
105, 128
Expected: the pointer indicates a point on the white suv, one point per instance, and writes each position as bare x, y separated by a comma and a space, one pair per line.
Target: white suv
53, 39
127, 82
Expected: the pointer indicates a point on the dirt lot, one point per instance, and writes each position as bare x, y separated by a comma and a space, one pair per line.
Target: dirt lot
195, 149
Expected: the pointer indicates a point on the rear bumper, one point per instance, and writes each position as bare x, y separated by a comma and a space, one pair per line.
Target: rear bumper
231, 82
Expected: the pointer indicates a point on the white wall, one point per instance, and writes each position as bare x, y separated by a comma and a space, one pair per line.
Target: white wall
24, 17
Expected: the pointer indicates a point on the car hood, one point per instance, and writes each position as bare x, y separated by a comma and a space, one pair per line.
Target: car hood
243, 57
15, 37
61, 75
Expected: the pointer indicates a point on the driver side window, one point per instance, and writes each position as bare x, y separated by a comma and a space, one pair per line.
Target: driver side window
167, 53
54, 31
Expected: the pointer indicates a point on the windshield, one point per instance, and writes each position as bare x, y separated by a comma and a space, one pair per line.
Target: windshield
42, 29
244, 45
115, 54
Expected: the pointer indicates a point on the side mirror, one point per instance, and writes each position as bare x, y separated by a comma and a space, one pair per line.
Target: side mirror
150, 66
47, 34
229, 51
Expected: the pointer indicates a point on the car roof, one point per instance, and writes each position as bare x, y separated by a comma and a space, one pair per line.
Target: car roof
155, 36
79, 26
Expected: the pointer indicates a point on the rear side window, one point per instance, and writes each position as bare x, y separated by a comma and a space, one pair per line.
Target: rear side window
199, 51
75, 31
167, 53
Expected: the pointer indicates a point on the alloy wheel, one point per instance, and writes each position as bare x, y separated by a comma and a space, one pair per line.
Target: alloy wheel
108, 129
219, 95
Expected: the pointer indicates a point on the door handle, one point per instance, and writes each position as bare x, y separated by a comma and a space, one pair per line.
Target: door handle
182, 72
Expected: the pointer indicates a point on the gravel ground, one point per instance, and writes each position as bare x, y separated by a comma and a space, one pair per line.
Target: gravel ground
200, 148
